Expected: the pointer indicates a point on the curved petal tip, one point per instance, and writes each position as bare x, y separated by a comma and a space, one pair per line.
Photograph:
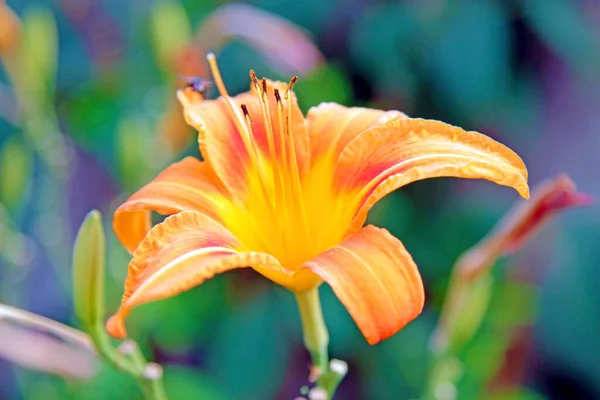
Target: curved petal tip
115, 326
523, 190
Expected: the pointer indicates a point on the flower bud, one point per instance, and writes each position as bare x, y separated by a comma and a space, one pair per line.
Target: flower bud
521, 223
88, 271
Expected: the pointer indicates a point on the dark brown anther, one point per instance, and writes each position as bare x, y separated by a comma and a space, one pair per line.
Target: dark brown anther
290, 86
246, 113
264, 85
277, 96
254, 79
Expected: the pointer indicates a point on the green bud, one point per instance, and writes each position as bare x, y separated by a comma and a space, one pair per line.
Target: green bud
88, 271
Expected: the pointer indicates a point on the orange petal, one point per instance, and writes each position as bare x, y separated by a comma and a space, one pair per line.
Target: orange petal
223, 144
176, 255
332, 126
376, 279
383, 159
187, 185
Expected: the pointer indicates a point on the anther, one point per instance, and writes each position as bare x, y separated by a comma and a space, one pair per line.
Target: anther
290, 86
246, 113
264, 85
254, 79
277, 97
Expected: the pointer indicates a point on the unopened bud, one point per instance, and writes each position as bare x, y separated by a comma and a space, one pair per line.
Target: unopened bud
521, 223
88, 271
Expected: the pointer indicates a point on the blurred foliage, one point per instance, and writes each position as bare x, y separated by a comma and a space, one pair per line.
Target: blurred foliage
79, 118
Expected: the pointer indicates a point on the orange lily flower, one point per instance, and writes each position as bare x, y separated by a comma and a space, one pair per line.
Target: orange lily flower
288, 196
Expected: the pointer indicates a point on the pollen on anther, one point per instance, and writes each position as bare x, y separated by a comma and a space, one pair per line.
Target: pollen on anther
254, 79
290, 86
264, 85
246, 113
292, 82
277, 96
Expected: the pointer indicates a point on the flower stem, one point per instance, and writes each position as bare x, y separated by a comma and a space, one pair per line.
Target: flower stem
328, 375
316, 337
330, 380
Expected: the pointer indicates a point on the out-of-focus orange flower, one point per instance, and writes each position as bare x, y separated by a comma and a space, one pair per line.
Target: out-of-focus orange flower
288, 195
10, 28
520, 224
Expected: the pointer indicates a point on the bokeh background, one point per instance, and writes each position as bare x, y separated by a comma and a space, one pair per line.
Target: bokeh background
97, 119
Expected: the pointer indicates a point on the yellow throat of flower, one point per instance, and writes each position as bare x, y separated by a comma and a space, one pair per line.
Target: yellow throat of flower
289, 210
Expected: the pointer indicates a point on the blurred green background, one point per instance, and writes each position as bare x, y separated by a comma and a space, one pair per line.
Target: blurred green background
87, 123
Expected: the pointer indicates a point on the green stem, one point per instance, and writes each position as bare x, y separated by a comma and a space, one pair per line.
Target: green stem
106, 350
152, 384
148, 375
316, 337
330, 380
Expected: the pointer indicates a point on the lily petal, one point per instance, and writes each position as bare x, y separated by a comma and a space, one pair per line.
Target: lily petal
383, 159
332, 126
223, 137
188, 185
376, 279
176, 255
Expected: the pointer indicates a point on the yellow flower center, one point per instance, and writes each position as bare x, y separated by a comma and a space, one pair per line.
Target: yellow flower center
291, 214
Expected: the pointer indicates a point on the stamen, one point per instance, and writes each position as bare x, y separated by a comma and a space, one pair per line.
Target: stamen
240, 121
277, 97
272, 202
295, 172
246, 113
284, 193
282, 127
254, 80
266, 113
214, 69
264, 85
290, 86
